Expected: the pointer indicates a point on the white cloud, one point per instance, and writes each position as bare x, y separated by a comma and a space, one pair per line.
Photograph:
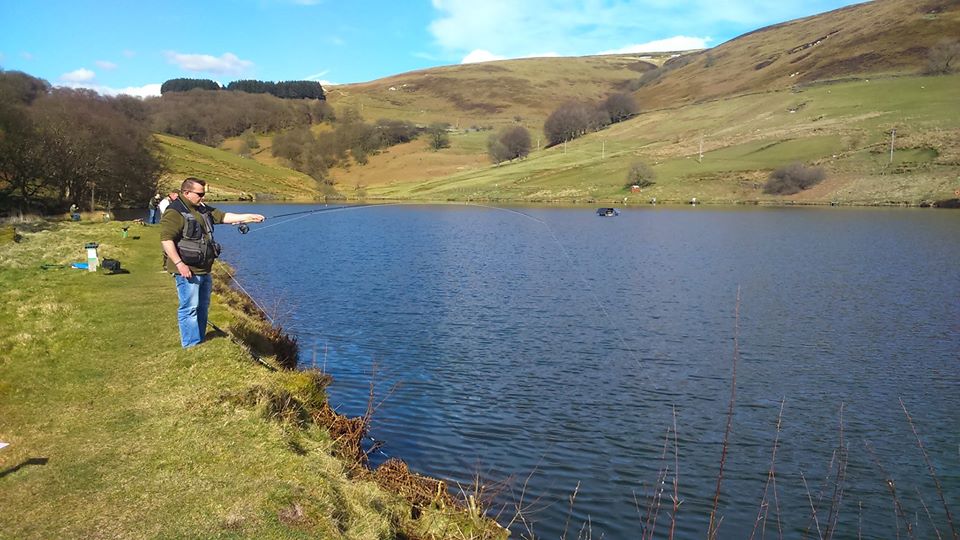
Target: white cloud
676, 43
508, 28
104, 64
227, 64
480, 55
147, 90
78, 76
317, 77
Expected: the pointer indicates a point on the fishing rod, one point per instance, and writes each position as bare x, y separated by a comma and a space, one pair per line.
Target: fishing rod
244, 228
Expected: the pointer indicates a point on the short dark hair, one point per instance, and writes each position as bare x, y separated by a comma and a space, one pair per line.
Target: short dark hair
191, 182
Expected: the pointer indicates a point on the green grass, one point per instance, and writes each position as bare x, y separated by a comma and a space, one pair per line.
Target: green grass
843, 127
232, 176
142, 439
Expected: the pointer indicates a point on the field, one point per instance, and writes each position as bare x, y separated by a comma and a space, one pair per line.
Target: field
844, 127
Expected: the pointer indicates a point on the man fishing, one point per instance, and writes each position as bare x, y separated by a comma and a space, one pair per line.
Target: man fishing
186, 235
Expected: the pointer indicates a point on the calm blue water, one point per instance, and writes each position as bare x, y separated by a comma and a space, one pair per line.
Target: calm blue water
548, 348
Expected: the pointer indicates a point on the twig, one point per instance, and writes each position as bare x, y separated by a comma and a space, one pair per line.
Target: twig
653, 509
771, 478
823, 487
933, 472
927, 510
573, 498
860, 520
676, 476
835, 502
812, 508
892, 487
713, 526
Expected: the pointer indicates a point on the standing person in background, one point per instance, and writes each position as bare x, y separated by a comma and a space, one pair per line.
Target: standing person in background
152, 215
172, 196
186, 235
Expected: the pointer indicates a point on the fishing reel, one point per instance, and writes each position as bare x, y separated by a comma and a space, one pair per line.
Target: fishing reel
243, 228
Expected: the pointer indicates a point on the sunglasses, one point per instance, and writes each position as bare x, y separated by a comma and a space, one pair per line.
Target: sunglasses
200, 194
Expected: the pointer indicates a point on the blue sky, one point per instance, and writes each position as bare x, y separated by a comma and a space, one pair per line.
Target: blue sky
133, 46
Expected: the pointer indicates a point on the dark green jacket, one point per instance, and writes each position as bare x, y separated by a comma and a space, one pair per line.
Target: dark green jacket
171, 228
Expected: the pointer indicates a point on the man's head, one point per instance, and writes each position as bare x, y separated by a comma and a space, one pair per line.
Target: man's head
193, 189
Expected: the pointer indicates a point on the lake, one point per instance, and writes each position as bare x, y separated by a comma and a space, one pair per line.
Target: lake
550, 351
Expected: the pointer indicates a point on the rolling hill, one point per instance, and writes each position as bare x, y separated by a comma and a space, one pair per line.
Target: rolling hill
834, 90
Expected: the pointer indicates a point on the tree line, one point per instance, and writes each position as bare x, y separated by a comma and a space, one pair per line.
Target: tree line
208, 117
282, 89
61, 146
573, 119
351, 139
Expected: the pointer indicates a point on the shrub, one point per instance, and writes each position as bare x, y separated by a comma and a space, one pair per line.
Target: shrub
640, 174
793, 178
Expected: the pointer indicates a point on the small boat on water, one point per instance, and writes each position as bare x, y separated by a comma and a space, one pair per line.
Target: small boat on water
607, 212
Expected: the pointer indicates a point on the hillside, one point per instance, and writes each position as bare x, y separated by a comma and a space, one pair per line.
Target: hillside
844, 127
493, 93
827, 90
231, 176
879, 37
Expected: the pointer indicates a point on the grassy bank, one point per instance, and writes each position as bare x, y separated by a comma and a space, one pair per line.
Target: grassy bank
116, 431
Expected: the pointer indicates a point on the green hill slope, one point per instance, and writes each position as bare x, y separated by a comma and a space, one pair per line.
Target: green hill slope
232, 176
843, 127
827, 90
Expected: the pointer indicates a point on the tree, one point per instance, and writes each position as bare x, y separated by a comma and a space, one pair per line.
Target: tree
17, 87
620, 106
569, 121
396, 131
438, 137
943, 58
75, 145
640, 174
510, 143
793, 178
185, 85
250, 139
496, 150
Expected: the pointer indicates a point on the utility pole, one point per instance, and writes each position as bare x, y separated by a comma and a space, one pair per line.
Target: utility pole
700, 155
893, 136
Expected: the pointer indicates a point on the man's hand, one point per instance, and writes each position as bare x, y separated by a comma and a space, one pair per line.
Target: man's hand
184, 270
232, 219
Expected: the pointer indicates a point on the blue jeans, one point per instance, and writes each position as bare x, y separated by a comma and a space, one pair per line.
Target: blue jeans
194, 294
152, 216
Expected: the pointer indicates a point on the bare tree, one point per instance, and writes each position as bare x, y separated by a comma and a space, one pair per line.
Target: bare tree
569, 121
944, 57
620, 106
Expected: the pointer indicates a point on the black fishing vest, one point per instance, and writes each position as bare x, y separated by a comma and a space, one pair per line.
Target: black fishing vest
196, 245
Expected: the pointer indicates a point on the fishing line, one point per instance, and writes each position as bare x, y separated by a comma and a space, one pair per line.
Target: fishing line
244, 228
566, 253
